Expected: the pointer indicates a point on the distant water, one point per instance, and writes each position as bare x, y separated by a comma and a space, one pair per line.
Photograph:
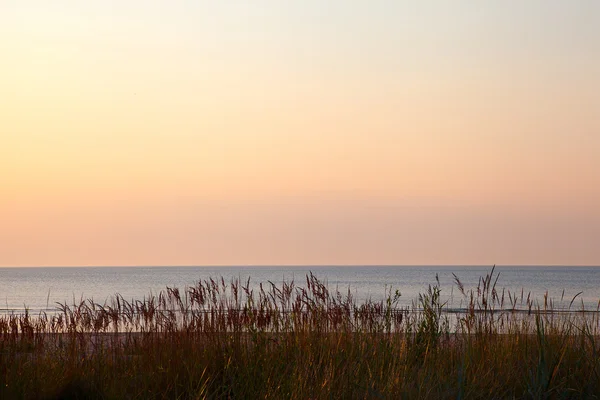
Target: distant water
40, 288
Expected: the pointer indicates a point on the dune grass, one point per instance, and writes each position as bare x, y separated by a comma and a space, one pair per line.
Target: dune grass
225, 340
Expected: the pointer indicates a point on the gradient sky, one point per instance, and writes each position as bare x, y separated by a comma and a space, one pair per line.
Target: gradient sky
299, 132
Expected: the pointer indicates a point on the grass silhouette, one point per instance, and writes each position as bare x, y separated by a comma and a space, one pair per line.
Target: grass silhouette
226, 340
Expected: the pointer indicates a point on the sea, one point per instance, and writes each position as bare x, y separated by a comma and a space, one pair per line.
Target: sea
38, 289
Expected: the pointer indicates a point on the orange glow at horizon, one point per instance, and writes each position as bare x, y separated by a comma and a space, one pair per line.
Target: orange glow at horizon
155, 136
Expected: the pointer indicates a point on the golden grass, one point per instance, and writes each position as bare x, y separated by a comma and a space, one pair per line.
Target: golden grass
225, 340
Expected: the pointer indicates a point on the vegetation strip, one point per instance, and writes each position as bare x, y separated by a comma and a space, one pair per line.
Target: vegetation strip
221, 339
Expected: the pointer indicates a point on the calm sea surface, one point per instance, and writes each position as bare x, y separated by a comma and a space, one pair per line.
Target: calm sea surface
41, 288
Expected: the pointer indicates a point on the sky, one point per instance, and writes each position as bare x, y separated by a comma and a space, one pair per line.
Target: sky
299, 132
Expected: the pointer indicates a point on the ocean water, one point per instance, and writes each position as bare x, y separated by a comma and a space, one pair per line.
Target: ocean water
41, 288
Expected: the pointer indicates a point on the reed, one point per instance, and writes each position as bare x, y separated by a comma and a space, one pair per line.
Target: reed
231, 340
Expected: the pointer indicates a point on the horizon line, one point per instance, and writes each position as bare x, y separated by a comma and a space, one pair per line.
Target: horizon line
300, 265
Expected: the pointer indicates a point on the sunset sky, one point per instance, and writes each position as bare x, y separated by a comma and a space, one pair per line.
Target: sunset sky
299, 132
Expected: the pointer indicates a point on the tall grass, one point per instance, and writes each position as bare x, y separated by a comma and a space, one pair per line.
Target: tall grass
228, 340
